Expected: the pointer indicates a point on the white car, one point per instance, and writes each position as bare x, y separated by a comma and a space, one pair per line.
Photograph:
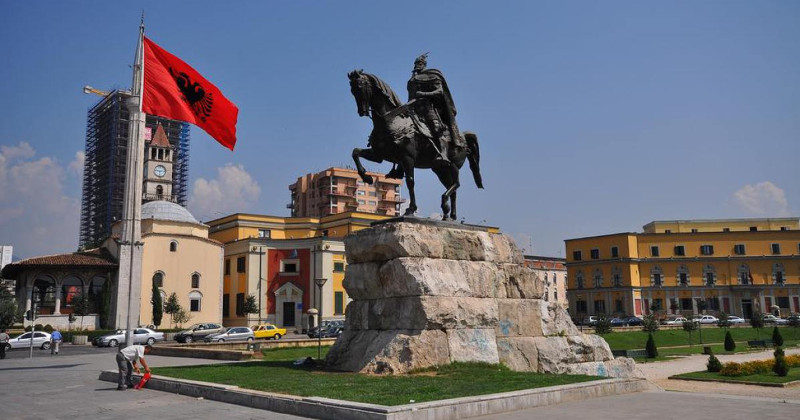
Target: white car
772, 319
706, 319
40, 340
735, 319
675, 321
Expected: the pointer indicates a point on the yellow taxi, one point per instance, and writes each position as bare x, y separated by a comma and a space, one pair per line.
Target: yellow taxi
268, 331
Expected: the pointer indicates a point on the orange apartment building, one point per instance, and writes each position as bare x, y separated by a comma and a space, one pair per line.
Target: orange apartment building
340, 190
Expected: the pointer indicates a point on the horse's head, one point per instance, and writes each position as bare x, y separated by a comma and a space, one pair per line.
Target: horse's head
361, 88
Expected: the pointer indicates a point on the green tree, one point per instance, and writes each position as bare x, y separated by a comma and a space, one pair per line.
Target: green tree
777, 338
780, 368
730, 345
757, 322
158, 305
603, 324
650, 323
181, 316
652, 350
172, 307
723, 321
250, 306
81, 306
689, 326
713, 365
10, 312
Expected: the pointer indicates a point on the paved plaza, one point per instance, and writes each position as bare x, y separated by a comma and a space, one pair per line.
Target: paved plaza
66, 386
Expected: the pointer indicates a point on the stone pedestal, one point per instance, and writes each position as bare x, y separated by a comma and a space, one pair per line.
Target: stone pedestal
429, 293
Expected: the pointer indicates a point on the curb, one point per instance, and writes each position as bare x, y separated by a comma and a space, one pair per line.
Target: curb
455, 408
733, 381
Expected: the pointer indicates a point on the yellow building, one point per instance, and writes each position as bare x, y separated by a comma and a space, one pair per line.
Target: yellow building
287, 254
736, 266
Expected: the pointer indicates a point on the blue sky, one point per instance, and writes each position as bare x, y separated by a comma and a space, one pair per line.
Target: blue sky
593, 117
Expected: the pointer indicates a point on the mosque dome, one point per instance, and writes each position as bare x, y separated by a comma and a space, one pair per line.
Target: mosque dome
166, 210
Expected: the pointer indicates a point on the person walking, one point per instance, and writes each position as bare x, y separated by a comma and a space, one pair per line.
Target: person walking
3, 342
55, 341
126, 362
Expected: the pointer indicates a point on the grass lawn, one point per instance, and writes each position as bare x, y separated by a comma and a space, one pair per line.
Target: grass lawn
276, 373
631, 340
769, 378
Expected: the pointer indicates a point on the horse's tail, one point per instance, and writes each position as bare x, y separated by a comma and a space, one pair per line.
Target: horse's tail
474, 157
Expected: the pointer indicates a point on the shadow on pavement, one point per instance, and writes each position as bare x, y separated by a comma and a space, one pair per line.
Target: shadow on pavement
42, 367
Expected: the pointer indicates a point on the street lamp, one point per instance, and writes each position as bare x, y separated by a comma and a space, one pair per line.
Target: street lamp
319, 282
260, 253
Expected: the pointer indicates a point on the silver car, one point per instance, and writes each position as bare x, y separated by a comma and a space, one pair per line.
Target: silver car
40, 340
140, 336
232, 334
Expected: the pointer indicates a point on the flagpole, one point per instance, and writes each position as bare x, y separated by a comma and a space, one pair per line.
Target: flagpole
131, 244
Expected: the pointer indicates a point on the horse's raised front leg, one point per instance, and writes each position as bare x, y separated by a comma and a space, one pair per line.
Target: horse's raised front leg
408, 168
367, 154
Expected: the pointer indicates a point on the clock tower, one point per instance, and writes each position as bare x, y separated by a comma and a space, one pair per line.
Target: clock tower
158, 159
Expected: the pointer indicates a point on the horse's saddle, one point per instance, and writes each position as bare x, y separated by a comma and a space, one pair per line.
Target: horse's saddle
402, 122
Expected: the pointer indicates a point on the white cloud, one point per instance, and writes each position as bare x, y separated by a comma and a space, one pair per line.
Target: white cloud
762, 199
76, 166
232, 191
37, 216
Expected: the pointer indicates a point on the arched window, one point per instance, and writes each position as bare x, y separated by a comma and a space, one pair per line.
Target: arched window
173, 246
195, 301
71, 288
778, 274
159, 191
195, 281
44, 293
682, 275
709, 275
96, 292
744, 274
656, 276
598, 278
158, 279
616, 277
579, 280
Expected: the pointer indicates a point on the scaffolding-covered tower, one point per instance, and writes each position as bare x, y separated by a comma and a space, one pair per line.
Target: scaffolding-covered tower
104, 168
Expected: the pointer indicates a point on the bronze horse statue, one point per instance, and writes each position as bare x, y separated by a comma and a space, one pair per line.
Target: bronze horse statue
399, 137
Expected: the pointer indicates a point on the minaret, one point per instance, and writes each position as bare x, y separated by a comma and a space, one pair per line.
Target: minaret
158, 159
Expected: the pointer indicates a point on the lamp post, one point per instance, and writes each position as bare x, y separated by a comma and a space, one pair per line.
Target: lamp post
260, 253
319, 282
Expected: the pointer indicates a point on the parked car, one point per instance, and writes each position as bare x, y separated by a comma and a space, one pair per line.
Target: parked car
231, 334
678, 320
330, 331
772, 319
140, 336
617, 322
41, 340
269, 331
706, 319
633, 321
325, 324
735, 319
198, 332
589, 321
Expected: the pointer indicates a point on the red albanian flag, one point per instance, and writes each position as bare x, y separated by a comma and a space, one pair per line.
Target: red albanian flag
173, 89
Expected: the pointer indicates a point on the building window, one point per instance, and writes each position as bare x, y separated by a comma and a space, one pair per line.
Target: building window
240, 265
599, 306
239, 304
656, 276
158, 279
683, 275
686, 304
616, 277
726, 229
744, 274
598, 278
739, 249
580, 306
70, 288
594, 253
694, 230
782, 302
195, 299
753, 228
373, 194
325, 233
778, 274
226, 305
618, 306
776, 249
707, 249
656, 305
338, 303
264, 233
373, 203
173, 246
667, 230
360, 192
680, 251
614, 252
579, 280
654, 251
227, 267
338, 267
784, 227
576, 255
362, 202
195, 281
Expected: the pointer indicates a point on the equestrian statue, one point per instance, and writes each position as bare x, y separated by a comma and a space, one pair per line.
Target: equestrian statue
421, 133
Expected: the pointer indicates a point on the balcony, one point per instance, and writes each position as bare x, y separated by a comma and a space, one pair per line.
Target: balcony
394, 199
160, 197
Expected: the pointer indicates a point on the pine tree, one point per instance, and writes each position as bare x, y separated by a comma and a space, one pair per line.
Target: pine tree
730, 345
713, 365
652, 350
777, 338
780, 368
158, 305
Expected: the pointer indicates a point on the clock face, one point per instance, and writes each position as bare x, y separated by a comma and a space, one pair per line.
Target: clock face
160, 171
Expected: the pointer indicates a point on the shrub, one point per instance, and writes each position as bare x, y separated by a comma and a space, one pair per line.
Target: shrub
757, 322
780, 367
603, 325
757, 367
48, 328
38, 327
793, 360
731, 369
723, 321
652, 350
777, 338
650, 323
689, 326
730, 345
713, 364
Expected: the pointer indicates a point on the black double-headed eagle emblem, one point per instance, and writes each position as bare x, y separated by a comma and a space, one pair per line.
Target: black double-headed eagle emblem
199, 100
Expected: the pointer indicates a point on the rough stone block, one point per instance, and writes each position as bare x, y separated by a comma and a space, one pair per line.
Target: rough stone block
388, 352
473, 345
518, 353
428, 312
532, 318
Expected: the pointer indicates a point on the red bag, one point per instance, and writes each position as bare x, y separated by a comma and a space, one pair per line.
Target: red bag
143, 381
